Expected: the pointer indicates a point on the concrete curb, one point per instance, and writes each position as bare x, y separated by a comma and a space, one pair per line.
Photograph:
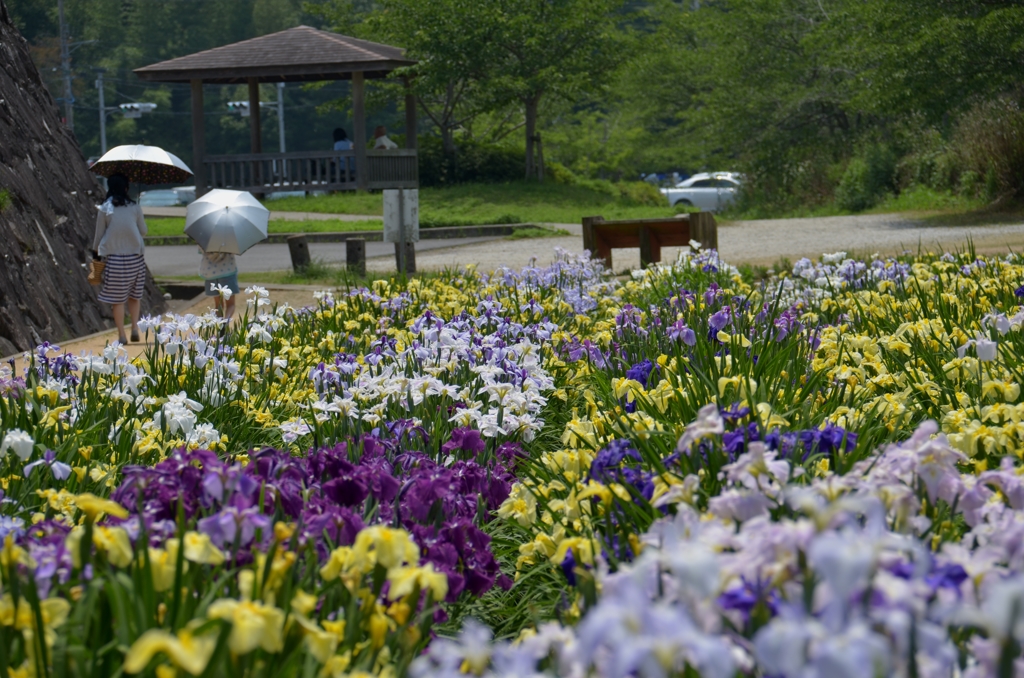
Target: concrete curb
495, 230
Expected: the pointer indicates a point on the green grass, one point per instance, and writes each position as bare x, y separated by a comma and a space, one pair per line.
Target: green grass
923, 199
536, 232
521, 202
176, 226
920, 202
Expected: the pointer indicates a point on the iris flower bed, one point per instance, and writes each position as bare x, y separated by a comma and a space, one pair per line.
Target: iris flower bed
546, 472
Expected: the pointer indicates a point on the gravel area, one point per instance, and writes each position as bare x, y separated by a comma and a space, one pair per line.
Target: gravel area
757, 242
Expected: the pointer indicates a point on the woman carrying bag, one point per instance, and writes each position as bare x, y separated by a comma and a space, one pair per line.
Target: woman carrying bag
120, 228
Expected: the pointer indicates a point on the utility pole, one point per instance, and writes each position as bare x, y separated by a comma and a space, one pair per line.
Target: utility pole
280, 114
103, 110
65, 65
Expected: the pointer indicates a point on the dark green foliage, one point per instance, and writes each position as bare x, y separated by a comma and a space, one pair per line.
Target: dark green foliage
990, 142
867, 179
5, 199
473, 162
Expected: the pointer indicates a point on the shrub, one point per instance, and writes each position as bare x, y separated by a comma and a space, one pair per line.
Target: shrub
991, 183
969, 183
5, 199
560, 174
929, 162
852, 193
867, 179
635, 192
989, 138
473, 162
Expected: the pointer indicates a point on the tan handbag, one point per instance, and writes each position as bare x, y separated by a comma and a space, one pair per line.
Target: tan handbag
96, 272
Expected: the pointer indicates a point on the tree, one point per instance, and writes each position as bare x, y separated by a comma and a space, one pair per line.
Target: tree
932, 57
479, 57
558, 49
270, 16
449, 39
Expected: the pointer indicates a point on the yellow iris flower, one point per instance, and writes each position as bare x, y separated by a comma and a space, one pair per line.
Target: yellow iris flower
406, 579
92, 506
253, 625
200, 550
113, 541
188, 652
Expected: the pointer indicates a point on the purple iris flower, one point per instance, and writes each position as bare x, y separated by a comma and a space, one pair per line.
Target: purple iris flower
611, 456
641, 372
946, 576
745, 597
678, 331
222, 484
232, 525
569, 568
711, 293
610, 465
734, 412
283, 478
466, 439
1019, 292
735, 442
13, 526
335, 523
718, 321
595, 354
59, 469
426, 491
510, 453
348, 490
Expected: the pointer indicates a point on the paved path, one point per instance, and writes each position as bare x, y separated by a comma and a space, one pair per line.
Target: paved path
274, 216
761, 242
179, 260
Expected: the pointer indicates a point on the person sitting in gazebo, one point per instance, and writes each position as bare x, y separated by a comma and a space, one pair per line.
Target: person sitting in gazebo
381, 141
343, 143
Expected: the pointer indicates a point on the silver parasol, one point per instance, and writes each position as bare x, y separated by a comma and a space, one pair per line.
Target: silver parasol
227, 221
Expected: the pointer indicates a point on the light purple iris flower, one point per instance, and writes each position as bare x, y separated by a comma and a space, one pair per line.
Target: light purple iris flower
60, 470
231, 525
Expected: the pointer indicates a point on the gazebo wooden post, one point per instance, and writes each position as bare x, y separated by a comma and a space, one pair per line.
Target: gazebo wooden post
255, 137
198, 138
359, 129
410, 116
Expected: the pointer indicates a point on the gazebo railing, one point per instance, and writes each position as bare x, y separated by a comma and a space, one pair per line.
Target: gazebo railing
393, 169
311, 171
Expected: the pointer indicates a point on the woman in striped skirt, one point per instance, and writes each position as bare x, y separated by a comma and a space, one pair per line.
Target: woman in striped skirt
120, 228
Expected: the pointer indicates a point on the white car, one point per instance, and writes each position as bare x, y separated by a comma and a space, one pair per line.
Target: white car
709, 192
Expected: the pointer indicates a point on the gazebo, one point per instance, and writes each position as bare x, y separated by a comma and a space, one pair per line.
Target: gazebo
300, 54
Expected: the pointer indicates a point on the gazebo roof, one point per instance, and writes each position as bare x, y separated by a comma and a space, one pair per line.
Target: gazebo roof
299, 54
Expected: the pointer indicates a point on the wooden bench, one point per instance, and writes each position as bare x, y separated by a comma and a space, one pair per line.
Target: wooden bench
650, 235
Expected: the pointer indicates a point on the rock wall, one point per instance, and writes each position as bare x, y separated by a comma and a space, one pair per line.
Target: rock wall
46, 230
